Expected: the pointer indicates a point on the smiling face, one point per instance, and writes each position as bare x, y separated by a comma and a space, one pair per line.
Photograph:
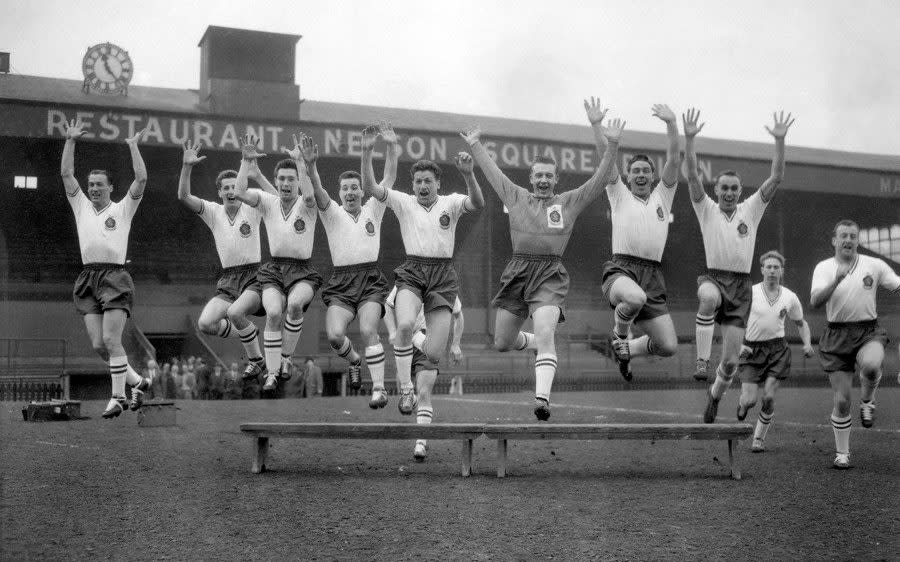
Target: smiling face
287, 182
226, 193
728, 191
772, 271
543, 180
351, 195
99, 189
640, 177
425, 187
845, 241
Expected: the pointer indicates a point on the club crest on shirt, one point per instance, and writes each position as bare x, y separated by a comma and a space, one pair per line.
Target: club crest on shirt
868, 282
110, 223
554, 216
743, 229
245, 229
782, 313
444, 221
300, 226
660, 214
370, 227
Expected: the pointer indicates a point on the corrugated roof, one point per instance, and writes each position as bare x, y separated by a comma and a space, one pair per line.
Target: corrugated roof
145, 98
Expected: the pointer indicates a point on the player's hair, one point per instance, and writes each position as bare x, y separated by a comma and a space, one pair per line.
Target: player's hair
731, 173
771, 254
109, 178
640, 158
546, 160
286, 163
350, 175
224, 175
426, 166
844, 222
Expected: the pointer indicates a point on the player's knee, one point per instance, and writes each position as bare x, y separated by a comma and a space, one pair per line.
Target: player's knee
768, 404
295, 310
369, 336
842, 404
208, 327
234, 315
112, 342
503, 344
729, 365
100, 349
708, 296
274, 317
433, 355
635, 299
335, 337
869, 371
665, 348
405, 330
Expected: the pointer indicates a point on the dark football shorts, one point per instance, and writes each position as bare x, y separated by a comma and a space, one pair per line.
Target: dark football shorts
433, 280
284, 273
736, 291
530, 282
420, 362
233, 281
767, 358
351, 286
647, 275
101, 287
841, 342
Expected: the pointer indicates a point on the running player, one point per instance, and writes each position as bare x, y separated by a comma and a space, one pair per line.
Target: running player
729, 235
104, 291
357, 288
765, 358
535, 282
235, 229
288, 282
427, 277
846, 285
632, 281
423, 369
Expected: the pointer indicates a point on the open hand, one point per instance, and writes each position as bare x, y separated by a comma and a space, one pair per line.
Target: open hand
613, 131
190, 153
689, 122
369, 136
294, 153
471, 135
309, 149
386, 130
782, 124
250, 147
74, 129
137, 137
664, 112
593, 109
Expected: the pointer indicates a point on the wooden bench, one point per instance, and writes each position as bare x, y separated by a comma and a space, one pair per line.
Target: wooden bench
652, 432
466, 432
502, 433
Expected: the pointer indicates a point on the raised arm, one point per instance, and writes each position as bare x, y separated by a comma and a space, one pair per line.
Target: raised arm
188, 161
74, 130
506, 190
691, 129
595, 185
466, 167
307, 190
249, 155
259, 178
369, 185
392, 154
779, 131
140, 170
669, 174
456, 354
310, 153
595, 114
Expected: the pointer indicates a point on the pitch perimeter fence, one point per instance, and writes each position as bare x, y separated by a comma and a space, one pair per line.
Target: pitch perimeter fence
32, 368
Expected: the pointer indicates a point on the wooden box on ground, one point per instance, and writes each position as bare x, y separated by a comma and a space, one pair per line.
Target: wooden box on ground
157, 414
54, 410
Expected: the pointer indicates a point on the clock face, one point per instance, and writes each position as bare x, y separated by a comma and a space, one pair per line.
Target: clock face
107, 68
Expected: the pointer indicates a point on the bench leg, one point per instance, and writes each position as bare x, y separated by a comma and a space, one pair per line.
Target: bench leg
260, 452
467, 457
732, 452
501, 458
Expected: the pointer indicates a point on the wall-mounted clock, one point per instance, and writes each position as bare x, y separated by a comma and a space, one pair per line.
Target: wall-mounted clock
107, 69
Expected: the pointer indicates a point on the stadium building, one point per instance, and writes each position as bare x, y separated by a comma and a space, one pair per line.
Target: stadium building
171, 252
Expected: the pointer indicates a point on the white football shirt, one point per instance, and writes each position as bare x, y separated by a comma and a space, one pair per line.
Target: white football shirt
103, 234
237, 239
853, 300
353, 240
767, 316
427, 232
639, 227
729, 240
290, 234
390, 303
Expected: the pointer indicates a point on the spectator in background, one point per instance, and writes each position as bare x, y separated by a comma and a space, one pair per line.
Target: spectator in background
293, 388
177, 380
233, 383
216, 383
189, 382
204, 374
313, 378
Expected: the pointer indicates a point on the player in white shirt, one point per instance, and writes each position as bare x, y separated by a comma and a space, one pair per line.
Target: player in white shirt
729, 235
356, 288
236, 229
423, 368
104, 291
288, 282
427, 277
632, 280
846, 284
765, 356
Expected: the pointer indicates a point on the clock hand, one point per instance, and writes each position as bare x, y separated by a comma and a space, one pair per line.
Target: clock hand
106, 66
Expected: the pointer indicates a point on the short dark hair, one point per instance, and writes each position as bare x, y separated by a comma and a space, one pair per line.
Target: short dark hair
844, 222
350, 175
224, 175
546, 160
109, 178
308, 358
769, 255
731, 173
640, 158
288, 164
425, 166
